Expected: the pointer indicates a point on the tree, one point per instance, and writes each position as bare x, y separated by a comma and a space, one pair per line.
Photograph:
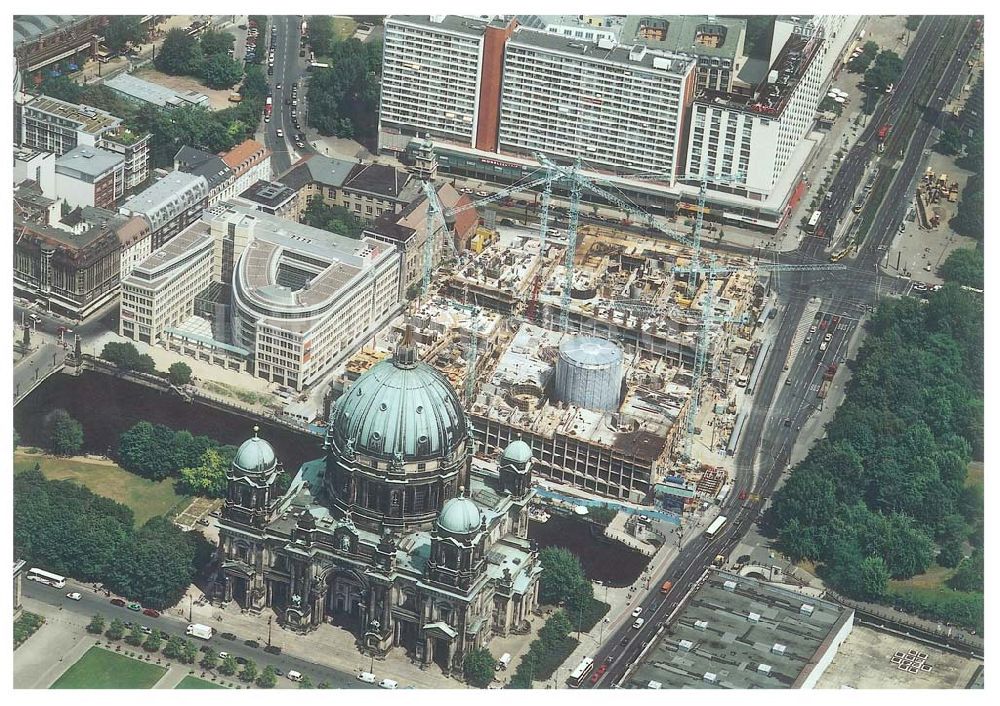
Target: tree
912, 22
213, 42
964, 266
267, 679
174, 648
190, 653
180, 54
344, 101
135, 636
127, 357
861, 62
478, 667
122, 30
950, 141
249, 672
179, 373
335, 219
887, 69
153, 642
969, 576
321, 36
96, 625
116, 630
874, 578
158, 565
306, 682
61, 87
563, 579
64, 435
229, 666
208, 478
951, 554
210, 660
219, 71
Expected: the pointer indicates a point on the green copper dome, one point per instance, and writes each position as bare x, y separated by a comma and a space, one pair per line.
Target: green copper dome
255, 455
400, 409
517, 451
460, 516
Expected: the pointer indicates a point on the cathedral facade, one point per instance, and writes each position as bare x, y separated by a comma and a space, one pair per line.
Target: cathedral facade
390, 534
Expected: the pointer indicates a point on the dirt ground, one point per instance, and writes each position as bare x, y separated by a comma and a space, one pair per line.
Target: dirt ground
217, 99
915, 248
864, 662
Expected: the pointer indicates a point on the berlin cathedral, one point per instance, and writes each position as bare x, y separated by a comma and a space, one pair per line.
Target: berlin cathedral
390, 535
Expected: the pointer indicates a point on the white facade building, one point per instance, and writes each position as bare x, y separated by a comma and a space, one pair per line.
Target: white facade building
303, 298
38, 166
160, 291
431, 77
615, 107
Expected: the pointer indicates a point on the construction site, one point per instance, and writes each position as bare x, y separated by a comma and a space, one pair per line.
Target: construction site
621, 357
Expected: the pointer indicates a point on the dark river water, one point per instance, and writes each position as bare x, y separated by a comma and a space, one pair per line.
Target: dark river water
106, 406
602, 560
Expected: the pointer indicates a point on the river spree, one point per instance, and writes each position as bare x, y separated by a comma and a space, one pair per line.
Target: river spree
602, 559
106, 406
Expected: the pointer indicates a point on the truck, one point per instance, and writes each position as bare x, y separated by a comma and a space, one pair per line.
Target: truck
665, 588
202, 632
824, 386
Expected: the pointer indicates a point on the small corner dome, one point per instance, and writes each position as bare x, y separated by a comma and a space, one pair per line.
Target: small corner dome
517, 451
460, 516
255, 455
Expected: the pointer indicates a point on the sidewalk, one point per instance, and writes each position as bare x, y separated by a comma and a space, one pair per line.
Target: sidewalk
328, 645
62, 633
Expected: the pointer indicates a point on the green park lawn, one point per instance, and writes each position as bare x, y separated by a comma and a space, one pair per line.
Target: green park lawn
343, 27
190, 682
146, 498
101, 669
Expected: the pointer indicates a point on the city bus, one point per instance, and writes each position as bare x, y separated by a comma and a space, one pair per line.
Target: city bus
54, 580
814, 221
580, 673
717, 523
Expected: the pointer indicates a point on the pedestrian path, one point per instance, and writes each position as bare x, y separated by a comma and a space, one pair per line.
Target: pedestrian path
174, 676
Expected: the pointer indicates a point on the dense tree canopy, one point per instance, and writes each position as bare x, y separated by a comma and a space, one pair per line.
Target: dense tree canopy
563, 579
208, 477
335, 219
887, 69
321, 36
155, 451
180, 54
127, 357
964, 266
219, 71
884, 492
343, 100
213, 42
971, 209
121, 31
478, 667
179, 373
862, 61
69, 530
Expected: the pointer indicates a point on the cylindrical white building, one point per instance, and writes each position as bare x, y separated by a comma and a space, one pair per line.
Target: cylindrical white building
589, 373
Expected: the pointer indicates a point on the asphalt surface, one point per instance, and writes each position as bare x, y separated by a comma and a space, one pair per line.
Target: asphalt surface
93, 602
846, 294
288, 69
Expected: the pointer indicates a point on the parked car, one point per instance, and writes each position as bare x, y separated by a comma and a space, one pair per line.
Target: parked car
227, 636
146, 629
241, 660
74, 596
134, 606
366, 677
388, 684
251, 643
151, 613
223, 655
294, 676
273, 649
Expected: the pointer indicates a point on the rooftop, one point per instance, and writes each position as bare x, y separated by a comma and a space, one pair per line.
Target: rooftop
242, 152
29, 27
381, 180
604, 51
194, 161
170, 194
268, 193
88, 161
457, 24
736, 632
154, 93
89, 120
194, 237
700, 35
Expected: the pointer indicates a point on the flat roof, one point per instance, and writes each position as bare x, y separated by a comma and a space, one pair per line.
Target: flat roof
268, 193
458, 24
380, 179
153, 92
750, 635
194, 237
680, 33
627, 56
90, 161
28, 27
89, 120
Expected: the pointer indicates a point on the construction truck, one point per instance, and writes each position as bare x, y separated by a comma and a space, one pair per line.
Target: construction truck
824, 386
719, 561
200, 631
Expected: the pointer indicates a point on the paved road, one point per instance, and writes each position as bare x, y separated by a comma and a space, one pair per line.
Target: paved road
845, 294
93, 603
288, 68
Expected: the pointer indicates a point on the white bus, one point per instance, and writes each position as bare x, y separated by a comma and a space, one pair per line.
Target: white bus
580, 673
54, 580
717, 523
814, 221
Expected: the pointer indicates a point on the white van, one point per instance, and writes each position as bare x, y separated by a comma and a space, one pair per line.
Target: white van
388, 684
294, 676
366, 677
639, 623
503, 662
